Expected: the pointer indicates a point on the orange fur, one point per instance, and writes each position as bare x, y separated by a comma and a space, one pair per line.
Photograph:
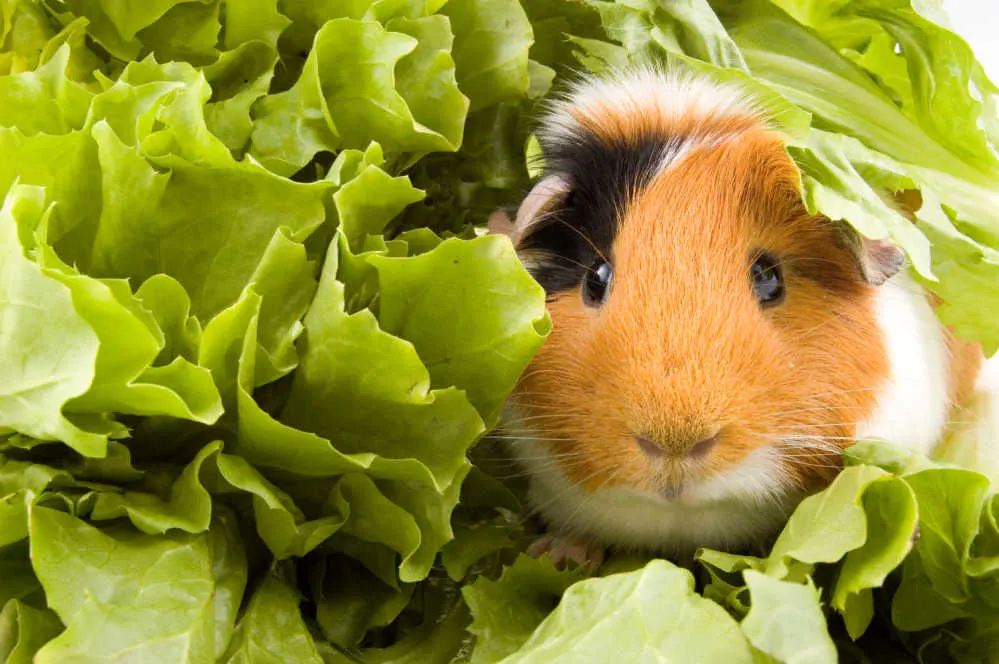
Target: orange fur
681, 347
966, 361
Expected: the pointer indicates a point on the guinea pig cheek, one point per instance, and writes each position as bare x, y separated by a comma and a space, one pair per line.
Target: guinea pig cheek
567, 398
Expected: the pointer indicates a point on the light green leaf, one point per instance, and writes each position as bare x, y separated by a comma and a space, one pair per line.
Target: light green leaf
845, 181
620, 618
826, 526
168, 303
229, 569
24, 31
238, 78
426, 78
130, 341
349, 81
256, 21
23, 630
381, 388
786, 621
950, 508
44, 101
694, 30
492, 38
369, 201
285, 280
271, 630
234, 210
37, 313
508, 610
121, 593
188, 508
890, 506
351, 600
282, 526
484, 355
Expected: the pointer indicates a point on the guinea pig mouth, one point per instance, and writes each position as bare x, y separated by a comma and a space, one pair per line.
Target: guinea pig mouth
672, 491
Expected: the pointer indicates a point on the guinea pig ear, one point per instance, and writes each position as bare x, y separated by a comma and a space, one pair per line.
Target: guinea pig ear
878, 260
543, 197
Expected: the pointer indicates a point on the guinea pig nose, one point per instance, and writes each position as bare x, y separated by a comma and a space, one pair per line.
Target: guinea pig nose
648, 446
700, 449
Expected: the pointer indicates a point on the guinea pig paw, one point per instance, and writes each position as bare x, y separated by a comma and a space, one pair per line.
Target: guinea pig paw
564, 548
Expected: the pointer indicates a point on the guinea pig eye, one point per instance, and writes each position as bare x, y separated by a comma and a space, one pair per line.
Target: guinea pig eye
597, 283
768, 282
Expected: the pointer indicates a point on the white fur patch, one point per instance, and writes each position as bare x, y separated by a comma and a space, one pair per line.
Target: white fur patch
647, 90
912, 409
746, 503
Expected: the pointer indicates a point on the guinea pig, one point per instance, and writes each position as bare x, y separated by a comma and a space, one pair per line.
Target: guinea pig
715, 346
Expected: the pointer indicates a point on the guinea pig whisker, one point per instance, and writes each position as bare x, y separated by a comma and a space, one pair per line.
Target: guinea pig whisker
820, 466
805, 334
824, 425
528, 473
538, 429
811, 462
558, 496
589, 498
540, 371
532, 437
829, 457
820, 408
826, 393
546, 457
518, 433
510, 423
547, 463
810, 442
826, 408
574, 262
582, 235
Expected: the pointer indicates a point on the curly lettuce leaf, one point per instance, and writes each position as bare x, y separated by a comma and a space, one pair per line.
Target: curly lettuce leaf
621, 617
38, 315
508, 610
786, 621
23, 630
202, 159
945, 153
118, 592
488, 352
350, 81
271, 629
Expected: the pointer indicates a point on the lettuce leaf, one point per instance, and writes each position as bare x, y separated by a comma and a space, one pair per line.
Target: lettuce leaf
251, 333
626, 610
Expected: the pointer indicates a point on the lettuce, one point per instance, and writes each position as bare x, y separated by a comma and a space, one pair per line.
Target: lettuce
252, 337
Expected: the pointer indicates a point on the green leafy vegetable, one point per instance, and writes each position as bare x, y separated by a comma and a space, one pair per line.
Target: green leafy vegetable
251, 334
622, 616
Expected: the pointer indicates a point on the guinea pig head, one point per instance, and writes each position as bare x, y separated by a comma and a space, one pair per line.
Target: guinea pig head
711, 337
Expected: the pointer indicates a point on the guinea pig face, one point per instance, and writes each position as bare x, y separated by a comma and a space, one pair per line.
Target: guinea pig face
711, 338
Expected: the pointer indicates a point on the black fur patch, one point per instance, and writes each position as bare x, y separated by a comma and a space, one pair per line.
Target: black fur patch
604, 176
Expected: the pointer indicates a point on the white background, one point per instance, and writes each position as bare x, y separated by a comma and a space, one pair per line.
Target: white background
978, 22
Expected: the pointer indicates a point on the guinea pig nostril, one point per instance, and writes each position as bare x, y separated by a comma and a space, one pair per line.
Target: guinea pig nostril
648, 446
700, 449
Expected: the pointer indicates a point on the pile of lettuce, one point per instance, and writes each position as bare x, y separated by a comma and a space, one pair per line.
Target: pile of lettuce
250, 331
